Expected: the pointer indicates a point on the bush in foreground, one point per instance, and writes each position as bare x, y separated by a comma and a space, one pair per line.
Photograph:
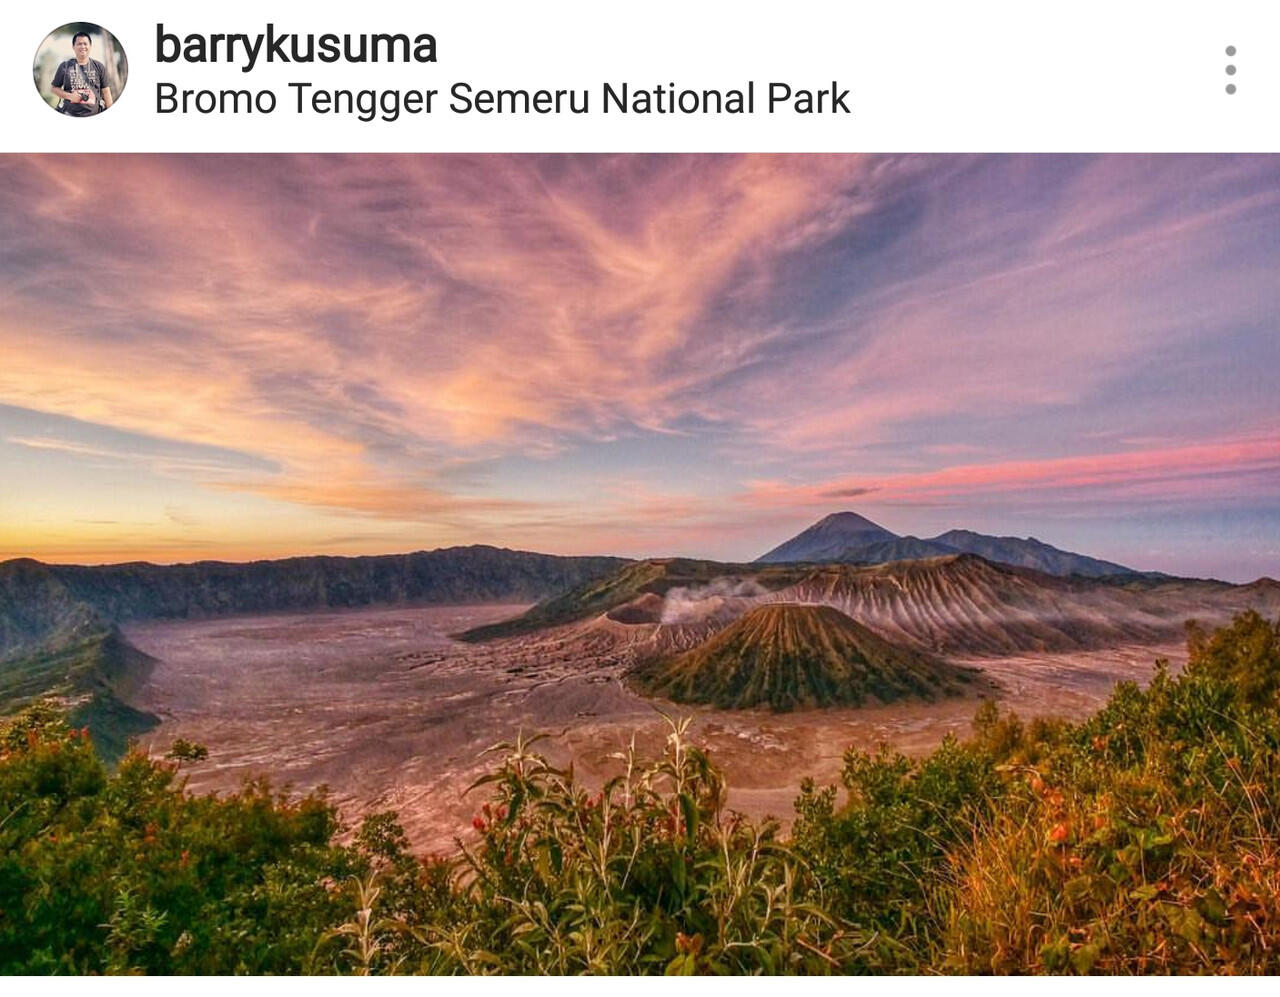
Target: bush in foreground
1145, 839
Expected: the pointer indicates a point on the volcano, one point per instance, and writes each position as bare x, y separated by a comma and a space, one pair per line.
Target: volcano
853, 539
790, 656
829, 539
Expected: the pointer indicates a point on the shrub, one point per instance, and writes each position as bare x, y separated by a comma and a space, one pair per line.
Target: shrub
649, 874
1145, 839
127, 872
1148, 839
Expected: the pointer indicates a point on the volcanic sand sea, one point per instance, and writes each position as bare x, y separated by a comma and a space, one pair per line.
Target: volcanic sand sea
389, 712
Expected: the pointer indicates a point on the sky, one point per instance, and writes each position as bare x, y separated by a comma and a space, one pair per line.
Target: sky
240, 357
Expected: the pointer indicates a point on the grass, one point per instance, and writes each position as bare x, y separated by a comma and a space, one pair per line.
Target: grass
1145, 839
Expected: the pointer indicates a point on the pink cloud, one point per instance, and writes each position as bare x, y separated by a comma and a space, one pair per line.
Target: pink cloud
1184, 470
364, 323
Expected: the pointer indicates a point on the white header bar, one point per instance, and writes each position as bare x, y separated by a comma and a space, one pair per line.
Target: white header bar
915, 76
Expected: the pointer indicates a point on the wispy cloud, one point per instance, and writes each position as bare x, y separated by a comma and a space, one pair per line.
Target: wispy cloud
382, 337
1186, 472
160, 463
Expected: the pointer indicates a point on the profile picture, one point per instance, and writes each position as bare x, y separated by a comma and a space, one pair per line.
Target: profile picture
80, 69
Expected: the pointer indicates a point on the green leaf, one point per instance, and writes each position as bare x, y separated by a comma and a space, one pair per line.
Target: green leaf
1083, 958
690, 810
1212, 907
517, 798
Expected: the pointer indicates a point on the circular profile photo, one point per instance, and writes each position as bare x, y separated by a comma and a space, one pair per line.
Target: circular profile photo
80, 69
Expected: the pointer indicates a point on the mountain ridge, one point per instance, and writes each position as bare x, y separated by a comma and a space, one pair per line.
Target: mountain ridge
826, 538
140, 590
955, 604
59, 624
848, 537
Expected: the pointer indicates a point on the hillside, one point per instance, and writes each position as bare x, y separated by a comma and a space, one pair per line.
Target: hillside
476, 574
53, 644
1029, 553
658, 577
58, 633
828, 539
958, 604
43, 604
897, 549
963, 604
92, 672
789, 656
38, 611
849, 538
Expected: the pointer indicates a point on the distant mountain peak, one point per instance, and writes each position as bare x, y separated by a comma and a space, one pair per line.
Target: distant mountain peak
828, 537
852, 538
848, 518
1032, 553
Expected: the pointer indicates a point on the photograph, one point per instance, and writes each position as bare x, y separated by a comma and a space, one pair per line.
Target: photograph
546, 564
80, 69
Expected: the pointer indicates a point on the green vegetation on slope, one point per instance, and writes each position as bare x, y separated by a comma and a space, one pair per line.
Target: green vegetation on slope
91, 669
657, 576
788, 656
1144, 840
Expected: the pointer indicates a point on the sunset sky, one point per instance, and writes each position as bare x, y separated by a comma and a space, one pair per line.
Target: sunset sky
239, 357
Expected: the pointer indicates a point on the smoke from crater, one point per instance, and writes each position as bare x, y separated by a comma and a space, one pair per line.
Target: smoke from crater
693, 603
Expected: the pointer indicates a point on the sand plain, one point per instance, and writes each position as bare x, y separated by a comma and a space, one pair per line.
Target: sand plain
387, 710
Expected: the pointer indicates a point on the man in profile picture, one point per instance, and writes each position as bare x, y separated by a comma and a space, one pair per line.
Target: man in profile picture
81, 82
